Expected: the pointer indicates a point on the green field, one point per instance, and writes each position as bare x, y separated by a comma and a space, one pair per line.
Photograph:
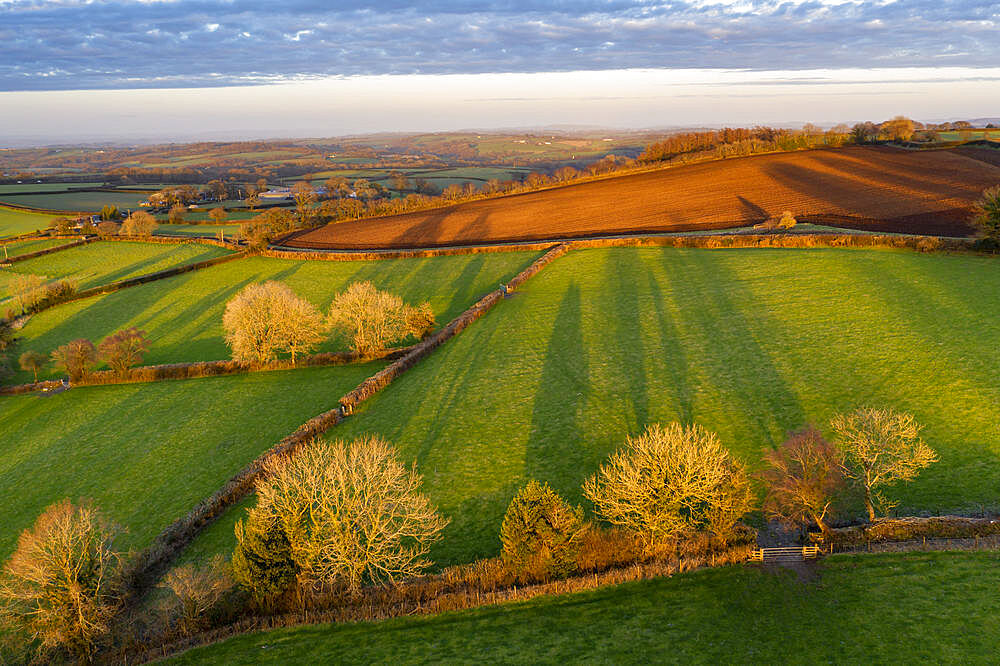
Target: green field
749, 343
15, 188
914, 608
29, 246
77, 201
17, 222
197, 230
183, 314
106, 262
147, 453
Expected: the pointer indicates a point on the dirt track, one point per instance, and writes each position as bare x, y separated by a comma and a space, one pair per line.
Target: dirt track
874, 188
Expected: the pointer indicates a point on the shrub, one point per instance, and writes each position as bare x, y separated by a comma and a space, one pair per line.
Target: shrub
77, 358
803, 476
352, 513
880, 447
198, 593
140, 224
670, 482
420, 321
123, 349
32, 361
787, 220
541, 532
987, 214
54, 293
60, 585
265, 319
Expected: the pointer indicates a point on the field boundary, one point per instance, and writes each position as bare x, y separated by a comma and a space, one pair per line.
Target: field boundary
41, 253
153, 560
145, 374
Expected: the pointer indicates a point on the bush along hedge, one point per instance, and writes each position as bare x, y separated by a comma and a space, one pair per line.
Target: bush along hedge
149, 563
887, 530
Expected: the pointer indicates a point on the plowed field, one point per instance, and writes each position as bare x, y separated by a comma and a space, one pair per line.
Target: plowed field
872, 188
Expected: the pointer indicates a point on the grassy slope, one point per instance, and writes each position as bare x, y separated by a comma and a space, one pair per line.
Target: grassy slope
928, 608
16, 222
199, 229
183, 314
103, 263
146, 453
750, 343
27, 246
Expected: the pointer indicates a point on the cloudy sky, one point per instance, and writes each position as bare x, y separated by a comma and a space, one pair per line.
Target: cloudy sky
307, 67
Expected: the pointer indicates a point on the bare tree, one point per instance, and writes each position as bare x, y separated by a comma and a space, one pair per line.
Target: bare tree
177, 213
374, 319
107, 228
27, 290
352, 513
77, 358
198, 591
670, 482
139, 223
60, 587
265, 319
803, 477
123, 349
32, 361
253, 197
880, 447
218, 214
305, 196
899, 128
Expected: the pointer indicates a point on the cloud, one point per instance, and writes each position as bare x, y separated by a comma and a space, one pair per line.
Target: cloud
96, 44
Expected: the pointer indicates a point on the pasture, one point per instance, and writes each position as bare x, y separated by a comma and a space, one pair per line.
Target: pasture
102, 263
28, 246
922, 607
212, 230
871, 188
147, 453
29, 186
749, 343
17, 222
182, 315
78, 201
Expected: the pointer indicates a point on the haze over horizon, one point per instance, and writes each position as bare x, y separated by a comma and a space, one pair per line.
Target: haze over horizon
140, 70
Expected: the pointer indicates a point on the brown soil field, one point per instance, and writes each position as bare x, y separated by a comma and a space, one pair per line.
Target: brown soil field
873, 188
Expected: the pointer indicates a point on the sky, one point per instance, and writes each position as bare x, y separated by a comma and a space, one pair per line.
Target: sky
177, 69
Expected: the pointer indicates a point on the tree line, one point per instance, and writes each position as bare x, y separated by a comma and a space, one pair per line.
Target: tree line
334, 517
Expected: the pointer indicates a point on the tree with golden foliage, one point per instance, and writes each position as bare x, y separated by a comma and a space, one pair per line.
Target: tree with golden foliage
353, 513
27, 289
899, 128
880, 447
670, 482
374, 319
60, 588
803, 478
266, 319
140, 224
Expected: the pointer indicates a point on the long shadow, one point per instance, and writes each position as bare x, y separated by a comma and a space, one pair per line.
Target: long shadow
464, 285
734, 359
557, 416
428, 230
626, 345
672, 352
753, 212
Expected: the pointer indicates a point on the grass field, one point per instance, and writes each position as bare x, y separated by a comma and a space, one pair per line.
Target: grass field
77, 201
106, 262
183, 314
14, 188
749, 343
147, 453
29, 246
197, 230
918, 608
17, 222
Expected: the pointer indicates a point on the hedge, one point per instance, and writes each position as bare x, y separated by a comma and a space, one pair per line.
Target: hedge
48, 250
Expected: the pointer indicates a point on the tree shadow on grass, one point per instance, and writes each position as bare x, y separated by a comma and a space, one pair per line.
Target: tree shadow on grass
554, 446
673, 354
620, 300
734, 359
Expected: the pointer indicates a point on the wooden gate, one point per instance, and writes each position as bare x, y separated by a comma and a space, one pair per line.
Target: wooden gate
784, 554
